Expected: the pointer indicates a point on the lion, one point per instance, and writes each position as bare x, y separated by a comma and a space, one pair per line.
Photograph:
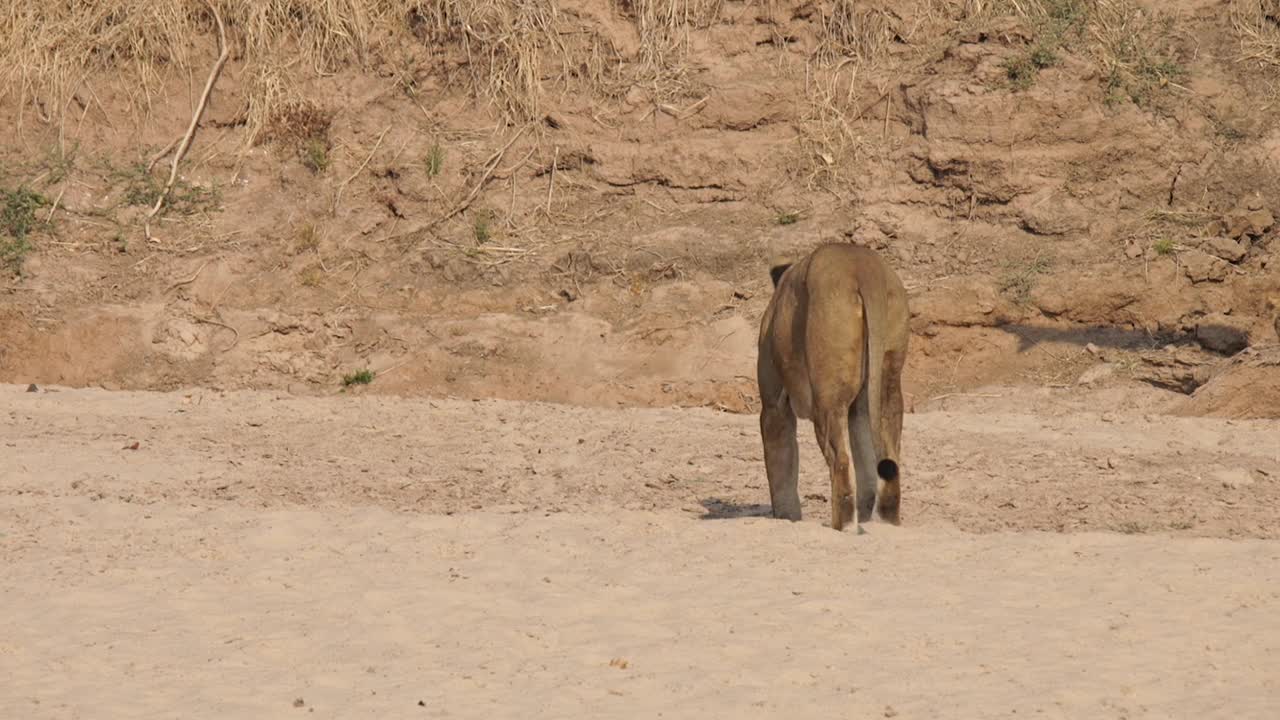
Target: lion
832, 344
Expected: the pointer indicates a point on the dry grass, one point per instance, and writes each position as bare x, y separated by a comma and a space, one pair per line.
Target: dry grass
1136, 49
1030, 9
856, 32
848, 72
506, 43
664, 24
829, 137
51, 52
853, 32
297, 126
664, 27
1134, 46
1257, 24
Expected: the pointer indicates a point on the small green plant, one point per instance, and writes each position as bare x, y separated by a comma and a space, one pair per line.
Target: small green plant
1042, 57
1138, 48
435, 160
60, 164
406, 75
18, 211
361, 377
1229, 132
1142, 82
143, 189
315, 155
1055, 26
1163, 246
188, 199
1065, 13
17, 221
12, 252
1019, 278
1020, 72
480, 227
306, 239
787, 218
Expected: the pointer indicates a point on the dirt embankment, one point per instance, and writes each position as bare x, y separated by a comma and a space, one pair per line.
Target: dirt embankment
578, 201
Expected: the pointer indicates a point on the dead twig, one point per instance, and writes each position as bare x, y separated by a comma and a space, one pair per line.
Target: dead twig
888, 106
552, 185
223, 54
714, 348
393, 368
656, 206
210, 321
54, 208
337, 197
883, 96
491, 164
189, 280
509, 172
646, 334
163, 151
688, 112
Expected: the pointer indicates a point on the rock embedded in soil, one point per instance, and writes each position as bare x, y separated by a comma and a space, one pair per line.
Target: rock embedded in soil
1201, 266
1096, 374
1177, 369
1234, 478
1232, 251
966, 302
1244, 221
1050, 214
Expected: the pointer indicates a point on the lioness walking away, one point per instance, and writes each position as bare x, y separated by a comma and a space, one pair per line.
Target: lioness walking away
833, 340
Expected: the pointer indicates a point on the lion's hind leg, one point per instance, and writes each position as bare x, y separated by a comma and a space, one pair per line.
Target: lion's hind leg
832, 427
781, 458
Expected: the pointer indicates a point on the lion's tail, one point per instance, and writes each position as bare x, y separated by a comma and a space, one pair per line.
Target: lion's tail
874, 379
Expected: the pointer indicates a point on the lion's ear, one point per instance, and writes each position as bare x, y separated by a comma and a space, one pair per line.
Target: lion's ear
776, 271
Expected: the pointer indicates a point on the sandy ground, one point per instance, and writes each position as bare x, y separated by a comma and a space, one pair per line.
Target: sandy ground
260, 556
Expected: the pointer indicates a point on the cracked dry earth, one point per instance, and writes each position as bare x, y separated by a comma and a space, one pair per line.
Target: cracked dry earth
259, 554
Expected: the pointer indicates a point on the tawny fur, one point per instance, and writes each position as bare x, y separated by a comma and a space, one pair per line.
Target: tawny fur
833, 341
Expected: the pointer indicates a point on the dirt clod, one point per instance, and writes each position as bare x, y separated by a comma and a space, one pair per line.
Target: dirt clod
1200, 266
1230, 250
1244, 222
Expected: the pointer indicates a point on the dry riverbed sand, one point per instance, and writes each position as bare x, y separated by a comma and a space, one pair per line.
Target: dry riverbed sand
259, 555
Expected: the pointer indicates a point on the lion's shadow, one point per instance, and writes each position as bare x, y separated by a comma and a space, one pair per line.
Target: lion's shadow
721, 509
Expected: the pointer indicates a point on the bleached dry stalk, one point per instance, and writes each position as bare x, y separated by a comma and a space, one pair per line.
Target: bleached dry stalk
223, 53
337, 197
